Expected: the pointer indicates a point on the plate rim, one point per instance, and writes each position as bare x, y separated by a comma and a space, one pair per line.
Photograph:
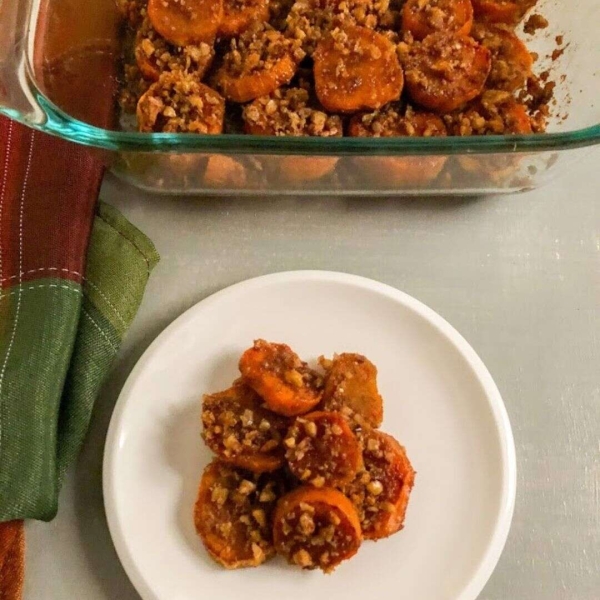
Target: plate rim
496, 544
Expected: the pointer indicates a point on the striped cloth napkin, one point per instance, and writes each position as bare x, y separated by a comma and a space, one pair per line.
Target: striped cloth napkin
72, 275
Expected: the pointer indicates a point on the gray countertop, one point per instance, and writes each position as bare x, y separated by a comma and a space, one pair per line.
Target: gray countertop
518, 276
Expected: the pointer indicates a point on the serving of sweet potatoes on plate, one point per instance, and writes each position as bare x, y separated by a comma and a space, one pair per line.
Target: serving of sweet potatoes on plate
301, 468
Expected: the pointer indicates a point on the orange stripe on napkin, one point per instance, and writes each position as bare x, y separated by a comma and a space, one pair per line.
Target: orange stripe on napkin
12, 560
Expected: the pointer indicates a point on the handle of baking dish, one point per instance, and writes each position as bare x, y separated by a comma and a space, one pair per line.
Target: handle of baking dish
18, 94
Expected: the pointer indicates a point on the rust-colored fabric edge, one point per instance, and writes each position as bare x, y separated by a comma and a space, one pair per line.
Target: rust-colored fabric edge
12, 560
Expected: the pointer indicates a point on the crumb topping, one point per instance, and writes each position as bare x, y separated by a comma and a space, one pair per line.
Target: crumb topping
288, 112
179, 103
259, 49
235, 423
316, 536
322, 450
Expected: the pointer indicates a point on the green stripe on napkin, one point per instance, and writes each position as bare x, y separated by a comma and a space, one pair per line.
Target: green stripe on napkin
57, 342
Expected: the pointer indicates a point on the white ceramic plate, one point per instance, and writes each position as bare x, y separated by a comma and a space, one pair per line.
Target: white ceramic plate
440, 402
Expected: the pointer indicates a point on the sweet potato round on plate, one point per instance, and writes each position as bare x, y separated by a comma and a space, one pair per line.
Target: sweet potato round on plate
238, 428
286, 384
233, 515
316, 528
351, 388
356, 69
445, 71
381, 491
322, 449
184, 22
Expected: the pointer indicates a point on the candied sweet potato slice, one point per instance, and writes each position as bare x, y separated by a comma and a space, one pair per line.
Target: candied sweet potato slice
251, 85
422, 18
316, 528
276, 373
154, 55
390, 172
241, 431
179, 103
396, 171
506, 12
356, 68
511, 61
238, 15
445, 71
299, 169
322, 449
495, 113
381, 491
232, 515
311, 20
351, 388
257, 63
289, 111
517, 119
184, 22
223, 171
392, 122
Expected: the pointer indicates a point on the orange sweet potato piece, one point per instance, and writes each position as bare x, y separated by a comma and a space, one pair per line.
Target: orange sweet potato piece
356, 68
316, 528
177, 103
517, 119
286, 384
511, 60
258, 62
224, 172
184, 22
405, 171
381, 491
239, 14
298, 169
351, 388
506, 12
396, 171
445, 71
259, 83
322, 449
154, 55
422, 19
232, 515
238, 429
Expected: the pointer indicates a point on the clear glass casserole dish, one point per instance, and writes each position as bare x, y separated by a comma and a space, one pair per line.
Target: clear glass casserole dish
59, 61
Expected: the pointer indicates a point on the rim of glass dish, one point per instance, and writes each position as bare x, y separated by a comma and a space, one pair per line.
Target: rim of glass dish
59, 123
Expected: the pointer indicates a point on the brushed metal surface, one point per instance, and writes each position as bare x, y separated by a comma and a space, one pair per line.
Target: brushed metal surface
518, 276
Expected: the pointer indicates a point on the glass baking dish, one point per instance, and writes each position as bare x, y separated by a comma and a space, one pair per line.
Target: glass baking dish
59, 61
